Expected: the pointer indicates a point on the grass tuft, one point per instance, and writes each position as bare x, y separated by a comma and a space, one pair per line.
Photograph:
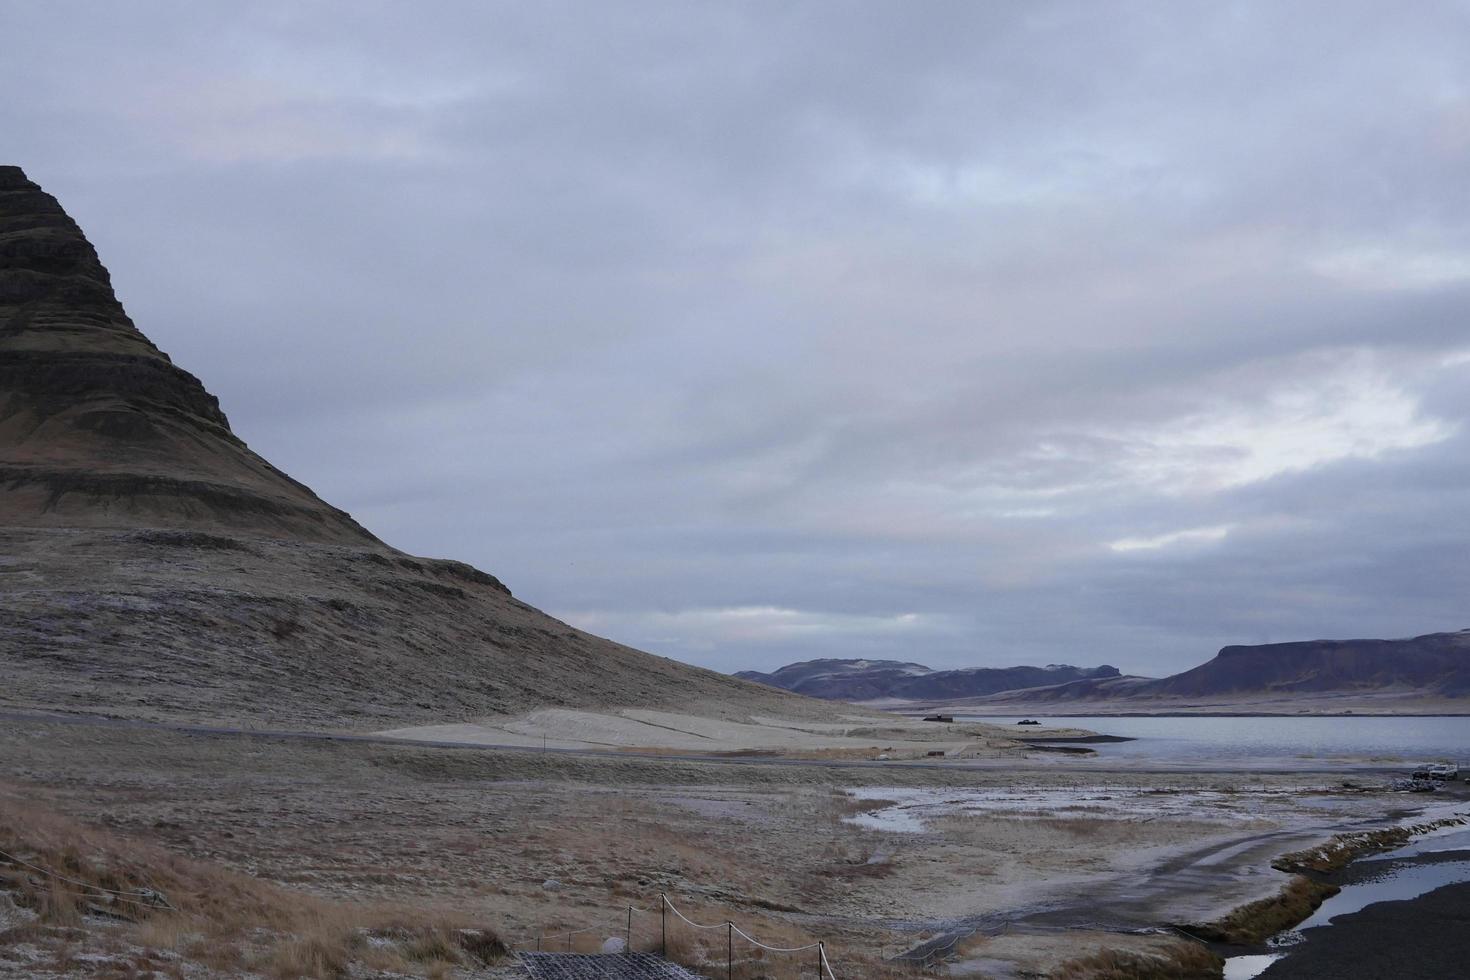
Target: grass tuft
1260, 920
1343, 848
1180, 961
209, 915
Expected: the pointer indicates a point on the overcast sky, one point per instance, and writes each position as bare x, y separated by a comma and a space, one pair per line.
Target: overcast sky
967, 333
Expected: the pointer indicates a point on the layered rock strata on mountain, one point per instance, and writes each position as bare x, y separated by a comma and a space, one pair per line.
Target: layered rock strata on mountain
153, 567
1436, 662
97, 426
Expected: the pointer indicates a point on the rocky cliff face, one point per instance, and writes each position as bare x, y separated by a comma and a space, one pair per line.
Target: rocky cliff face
1435, 666
98, 427
152, 566
870, 680
1438, 663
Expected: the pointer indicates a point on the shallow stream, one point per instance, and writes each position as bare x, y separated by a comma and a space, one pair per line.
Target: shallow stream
1416, 869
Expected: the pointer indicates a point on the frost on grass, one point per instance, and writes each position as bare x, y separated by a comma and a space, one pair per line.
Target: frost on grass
77, 898
904, 810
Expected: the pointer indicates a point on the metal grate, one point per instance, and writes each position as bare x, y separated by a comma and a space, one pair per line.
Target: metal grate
605, 966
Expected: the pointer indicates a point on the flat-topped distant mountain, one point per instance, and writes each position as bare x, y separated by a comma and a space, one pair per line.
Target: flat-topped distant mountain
153, 566
1437, 663
872, 680
1323, 675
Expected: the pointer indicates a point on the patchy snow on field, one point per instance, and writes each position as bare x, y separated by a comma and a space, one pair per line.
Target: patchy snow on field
911, 810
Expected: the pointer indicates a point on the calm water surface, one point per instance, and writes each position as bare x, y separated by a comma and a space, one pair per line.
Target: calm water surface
1202, 738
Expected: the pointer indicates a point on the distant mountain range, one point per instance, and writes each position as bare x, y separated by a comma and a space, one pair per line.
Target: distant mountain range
871, 680
1321, 675
1422, 673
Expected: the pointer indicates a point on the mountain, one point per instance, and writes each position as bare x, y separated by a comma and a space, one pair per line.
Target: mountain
870, 680
153, 566
97, 426
1437, 663
843, 680
1308, 675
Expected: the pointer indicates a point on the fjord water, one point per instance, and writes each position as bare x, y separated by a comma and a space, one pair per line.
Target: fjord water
1195, 738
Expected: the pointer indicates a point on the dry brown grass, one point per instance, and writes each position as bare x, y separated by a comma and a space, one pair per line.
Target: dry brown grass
842, 805
1343, 848
208, 914
1180, 961
1259, 920
709, 951
1077, 826
310, 955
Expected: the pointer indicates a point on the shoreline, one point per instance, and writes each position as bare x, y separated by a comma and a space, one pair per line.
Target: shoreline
1386, 921
1409, 937
1391, 937
1184, 714
1074, 739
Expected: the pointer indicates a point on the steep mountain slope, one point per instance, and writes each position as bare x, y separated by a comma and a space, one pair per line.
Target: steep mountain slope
97, 426
152, 566
868, 680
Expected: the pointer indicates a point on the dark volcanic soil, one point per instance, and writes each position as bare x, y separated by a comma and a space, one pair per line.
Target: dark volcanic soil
1421, 938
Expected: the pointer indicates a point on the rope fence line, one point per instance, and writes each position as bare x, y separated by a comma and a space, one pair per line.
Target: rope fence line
110, 899
686, 918
824, 965
149, 898
775, 949
568, 934
631, 910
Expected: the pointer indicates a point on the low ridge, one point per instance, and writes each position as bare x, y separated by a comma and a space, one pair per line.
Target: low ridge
873, 680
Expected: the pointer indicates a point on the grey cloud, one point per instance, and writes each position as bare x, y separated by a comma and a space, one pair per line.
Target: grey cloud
858, 324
